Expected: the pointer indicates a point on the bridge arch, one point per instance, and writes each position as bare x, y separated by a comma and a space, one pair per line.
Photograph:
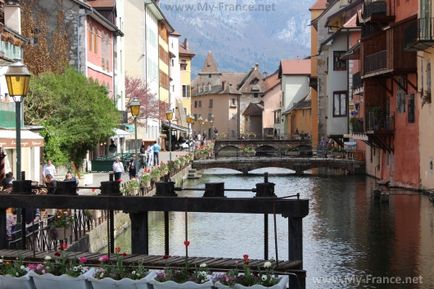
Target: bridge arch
228, 151
267, 151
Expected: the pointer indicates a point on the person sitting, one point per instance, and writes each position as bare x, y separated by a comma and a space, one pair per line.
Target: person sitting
7, 182
51, 184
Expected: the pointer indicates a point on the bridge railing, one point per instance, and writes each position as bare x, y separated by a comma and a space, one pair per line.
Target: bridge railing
166, 200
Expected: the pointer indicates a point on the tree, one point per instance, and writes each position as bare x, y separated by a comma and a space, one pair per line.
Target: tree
150, 106
75, 111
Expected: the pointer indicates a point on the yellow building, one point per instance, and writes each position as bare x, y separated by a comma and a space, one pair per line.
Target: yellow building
299, 118
317, 8
425, 45
185, 57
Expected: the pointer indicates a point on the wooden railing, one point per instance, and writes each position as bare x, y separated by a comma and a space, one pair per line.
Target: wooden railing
376, 62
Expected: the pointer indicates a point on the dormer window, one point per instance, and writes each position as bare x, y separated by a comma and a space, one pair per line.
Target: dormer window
254, 81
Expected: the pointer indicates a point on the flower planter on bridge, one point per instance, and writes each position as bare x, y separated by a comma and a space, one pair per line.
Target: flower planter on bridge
64, 281
125, 283
174, 285
11, 282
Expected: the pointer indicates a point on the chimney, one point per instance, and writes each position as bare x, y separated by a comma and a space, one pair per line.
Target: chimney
257, 66
186, 44
12, 13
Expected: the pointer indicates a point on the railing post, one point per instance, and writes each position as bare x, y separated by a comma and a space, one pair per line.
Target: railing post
166, 233
295, 244
3, 233
23, 187
139, 233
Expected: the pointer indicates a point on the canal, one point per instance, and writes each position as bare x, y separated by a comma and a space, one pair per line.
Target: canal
348, 237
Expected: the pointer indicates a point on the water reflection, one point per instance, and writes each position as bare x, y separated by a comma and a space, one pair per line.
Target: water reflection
346, 233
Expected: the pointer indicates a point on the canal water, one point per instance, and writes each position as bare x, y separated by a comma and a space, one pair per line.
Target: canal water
350, 240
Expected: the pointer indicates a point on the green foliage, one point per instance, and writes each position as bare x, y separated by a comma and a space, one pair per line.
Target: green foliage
76, 113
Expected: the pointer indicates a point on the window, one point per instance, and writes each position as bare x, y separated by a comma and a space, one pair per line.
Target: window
338, 63
195, 104
400, 100
256, 95
183, 66
411, 116
210, 103
199, 104
186, 91
210, 116
209, 75
173, 62
233, 102
340, 103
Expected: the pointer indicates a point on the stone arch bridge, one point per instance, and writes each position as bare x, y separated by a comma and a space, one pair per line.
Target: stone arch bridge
297, 164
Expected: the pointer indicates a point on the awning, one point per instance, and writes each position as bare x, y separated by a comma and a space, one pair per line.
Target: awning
120, 133
28, 139
175, 126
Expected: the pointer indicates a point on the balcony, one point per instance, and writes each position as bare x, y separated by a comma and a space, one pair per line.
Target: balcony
357, 125
376, 62
374, 8
379, 122
424, 35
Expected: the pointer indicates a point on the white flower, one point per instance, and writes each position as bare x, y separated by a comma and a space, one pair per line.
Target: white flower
264, 278
267, 264
1, 261
134, 272
22, 267
47, 258
203, 265
16, 274
75, 269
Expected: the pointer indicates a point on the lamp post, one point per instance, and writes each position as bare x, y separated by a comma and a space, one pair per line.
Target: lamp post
169, 117
189, 121
135, 111
17, 79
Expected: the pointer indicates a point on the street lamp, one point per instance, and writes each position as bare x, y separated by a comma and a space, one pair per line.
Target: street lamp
17, 79
135, 111
190, 120
169, 117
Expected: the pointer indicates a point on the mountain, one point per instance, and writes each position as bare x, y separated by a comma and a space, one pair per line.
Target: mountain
241, 33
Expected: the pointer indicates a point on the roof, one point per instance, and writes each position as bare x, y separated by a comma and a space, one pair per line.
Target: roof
233, 78
102, 3
271, 81
305, 103
295, 67
28, 138
345, 12
319, 5
210, 65
254, 109
352, 22
183, 50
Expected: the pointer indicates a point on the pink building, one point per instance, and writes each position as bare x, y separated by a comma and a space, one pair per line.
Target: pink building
101, 33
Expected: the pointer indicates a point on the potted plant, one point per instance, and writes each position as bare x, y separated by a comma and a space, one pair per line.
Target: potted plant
60, 272
187, 277
61, 225
14, 275
264, 278
145, 180
117, 275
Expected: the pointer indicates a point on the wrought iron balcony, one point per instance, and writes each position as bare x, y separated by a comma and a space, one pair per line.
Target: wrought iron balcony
379, 122
357, 125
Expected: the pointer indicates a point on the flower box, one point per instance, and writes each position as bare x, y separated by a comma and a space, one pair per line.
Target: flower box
125, 283
11, 282
174, 285
283, 282
64, 281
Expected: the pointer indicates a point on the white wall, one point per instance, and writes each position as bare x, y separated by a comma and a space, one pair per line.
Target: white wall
336, 81
175, 72
120, 60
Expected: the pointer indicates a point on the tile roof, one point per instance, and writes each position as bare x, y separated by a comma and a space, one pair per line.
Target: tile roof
352, 22
319, 5
210, 65
254, 109
102, 3
295, 67
271, 81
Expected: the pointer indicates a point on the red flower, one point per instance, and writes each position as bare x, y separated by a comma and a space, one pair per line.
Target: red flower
63, 246
165, 257
83, 260
57, 254
246, 259
186, 243
124, 254
117, 250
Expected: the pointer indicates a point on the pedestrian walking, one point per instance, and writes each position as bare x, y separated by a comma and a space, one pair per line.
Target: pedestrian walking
156, 149
48, 169
118, 169
150, 156
132, 171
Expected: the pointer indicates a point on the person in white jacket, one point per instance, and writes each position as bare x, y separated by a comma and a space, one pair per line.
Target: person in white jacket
118, 169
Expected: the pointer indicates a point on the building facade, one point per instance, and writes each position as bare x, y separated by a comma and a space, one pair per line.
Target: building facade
185, 57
